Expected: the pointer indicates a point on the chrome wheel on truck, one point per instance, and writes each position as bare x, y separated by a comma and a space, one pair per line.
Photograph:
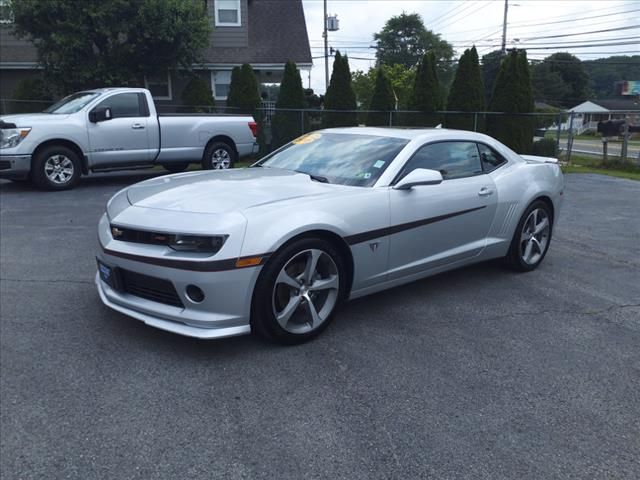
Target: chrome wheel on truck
56, 168
218, 156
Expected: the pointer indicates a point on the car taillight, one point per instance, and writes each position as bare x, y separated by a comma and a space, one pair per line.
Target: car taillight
254, 128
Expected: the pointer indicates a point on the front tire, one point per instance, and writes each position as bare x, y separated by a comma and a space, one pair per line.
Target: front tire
298, 291
56, 168
218, 156
531, 239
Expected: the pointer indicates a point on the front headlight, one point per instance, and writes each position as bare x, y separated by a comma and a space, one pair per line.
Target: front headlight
197, 243
11, 137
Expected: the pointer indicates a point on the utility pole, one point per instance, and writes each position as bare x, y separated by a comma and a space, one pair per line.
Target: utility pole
326, 47
504, 27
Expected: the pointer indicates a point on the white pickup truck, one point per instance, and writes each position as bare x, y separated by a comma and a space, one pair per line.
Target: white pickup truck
116, 129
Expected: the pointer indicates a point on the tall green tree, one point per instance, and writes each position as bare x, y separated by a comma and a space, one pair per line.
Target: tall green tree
573, 74
467, 91
426, 96
401, 80
197, 95
244, 93
490, 68
548, 86
512, 94
92, 43
286, 125
340, 95
382, 101
404, 40
605, 72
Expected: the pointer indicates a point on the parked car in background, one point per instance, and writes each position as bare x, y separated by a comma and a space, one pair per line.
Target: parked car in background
116, 129
335, 214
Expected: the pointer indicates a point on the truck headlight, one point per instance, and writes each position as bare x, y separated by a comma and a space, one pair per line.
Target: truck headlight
197, 243
11, 137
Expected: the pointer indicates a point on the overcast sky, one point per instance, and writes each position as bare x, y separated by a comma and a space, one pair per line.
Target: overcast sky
479, 22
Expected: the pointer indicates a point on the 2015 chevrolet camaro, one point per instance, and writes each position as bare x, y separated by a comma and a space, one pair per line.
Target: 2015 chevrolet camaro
335, 214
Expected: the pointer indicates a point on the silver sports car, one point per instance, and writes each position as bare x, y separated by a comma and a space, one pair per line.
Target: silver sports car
335, 214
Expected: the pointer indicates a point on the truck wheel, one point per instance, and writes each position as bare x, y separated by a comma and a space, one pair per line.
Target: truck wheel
176, 167
56, 168
218, 156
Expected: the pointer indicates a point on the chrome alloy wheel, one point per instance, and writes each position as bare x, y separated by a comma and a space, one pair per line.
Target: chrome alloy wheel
59, 169
535, 236
220, 159
305, 291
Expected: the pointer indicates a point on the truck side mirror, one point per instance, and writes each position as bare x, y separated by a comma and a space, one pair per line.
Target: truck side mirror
100, 114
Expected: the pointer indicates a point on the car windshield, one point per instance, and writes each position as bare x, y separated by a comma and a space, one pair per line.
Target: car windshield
72, 103
345, 159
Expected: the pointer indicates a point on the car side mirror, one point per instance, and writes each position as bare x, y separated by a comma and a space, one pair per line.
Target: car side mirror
100, 114
419, 176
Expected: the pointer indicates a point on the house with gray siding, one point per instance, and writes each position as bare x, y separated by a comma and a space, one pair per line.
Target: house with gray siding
263, 33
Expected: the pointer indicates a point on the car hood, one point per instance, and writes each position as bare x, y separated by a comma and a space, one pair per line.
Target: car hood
28, 119
223, 191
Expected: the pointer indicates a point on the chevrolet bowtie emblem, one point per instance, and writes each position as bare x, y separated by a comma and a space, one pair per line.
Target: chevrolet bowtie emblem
116, 232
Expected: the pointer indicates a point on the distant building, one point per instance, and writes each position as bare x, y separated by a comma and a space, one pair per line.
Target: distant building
263, 33
589, 113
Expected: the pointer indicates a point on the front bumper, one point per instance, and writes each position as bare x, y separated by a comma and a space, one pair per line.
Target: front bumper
15, 166
224, 312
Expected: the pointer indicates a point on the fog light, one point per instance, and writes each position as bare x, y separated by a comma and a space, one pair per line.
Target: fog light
195, 294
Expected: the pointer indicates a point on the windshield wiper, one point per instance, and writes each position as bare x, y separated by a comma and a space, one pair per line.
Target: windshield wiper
316, 178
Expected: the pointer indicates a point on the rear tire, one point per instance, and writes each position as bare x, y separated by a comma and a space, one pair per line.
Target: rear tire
531, 239
176, 167
56, 168
218, 156
298, 291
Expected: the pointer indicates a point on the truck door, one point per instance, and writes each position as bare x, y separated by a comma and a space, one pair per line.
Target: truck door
122, 140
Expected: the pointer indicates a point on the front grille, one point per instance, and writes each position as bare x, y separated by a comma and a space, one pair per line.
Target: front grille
150, 288
141, 236
5, 164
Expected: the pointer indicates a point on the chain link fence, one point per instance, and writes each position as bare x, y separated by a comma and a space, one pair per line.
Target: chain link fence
562, 134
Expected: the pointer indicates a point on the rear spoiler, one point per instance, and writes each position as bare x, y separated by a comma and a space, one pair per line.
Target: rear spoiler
535, 159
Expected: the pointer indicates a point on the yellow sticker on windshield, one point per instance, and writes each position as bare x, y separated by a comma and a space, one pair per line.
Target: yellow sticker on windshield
308, 138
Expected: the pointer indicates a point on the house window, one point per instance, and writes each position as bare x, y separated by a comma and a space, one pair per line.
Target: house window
227, 13
221, 81
6, 15
159, 86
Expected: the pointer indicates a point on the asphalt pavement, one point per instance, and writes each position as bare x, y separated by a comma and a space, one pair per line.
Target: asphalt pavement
477, 373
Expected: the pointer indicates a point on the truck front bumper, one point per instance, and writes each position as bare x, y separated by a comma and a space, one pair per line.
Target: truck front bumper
15, 167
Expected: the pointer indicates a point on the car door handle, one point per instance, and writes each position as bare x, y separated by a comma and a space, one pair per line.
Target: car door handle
137, 126
485, 192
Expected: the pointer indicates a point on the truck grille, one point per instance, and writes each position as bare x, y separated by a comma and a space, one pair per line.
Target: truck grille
5, 164
150, 288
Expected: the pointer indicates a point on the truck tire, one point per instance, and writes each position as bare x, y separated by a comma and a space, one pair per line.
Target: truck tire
56, 167
218, 156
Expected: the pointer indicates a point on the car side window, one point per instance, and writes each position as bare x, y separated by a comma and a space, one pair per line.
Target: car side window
490, 158
123, 105
451, 159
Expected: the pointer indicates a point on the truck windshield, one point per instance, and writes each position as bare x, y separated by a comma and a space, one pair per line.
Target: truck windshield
342, 158
72, 103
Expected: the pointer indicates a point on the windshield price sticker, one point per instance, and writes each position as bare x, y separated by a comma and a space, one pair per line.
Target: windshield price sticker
310, 137
378, 164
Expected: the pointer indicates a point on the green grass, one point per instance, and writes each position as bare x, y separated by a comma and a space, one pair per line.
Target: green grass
594, 164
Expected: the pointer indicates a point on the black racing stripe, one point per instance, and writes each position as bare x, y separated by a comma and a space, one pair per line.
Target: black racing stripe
210, 266
383, 232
